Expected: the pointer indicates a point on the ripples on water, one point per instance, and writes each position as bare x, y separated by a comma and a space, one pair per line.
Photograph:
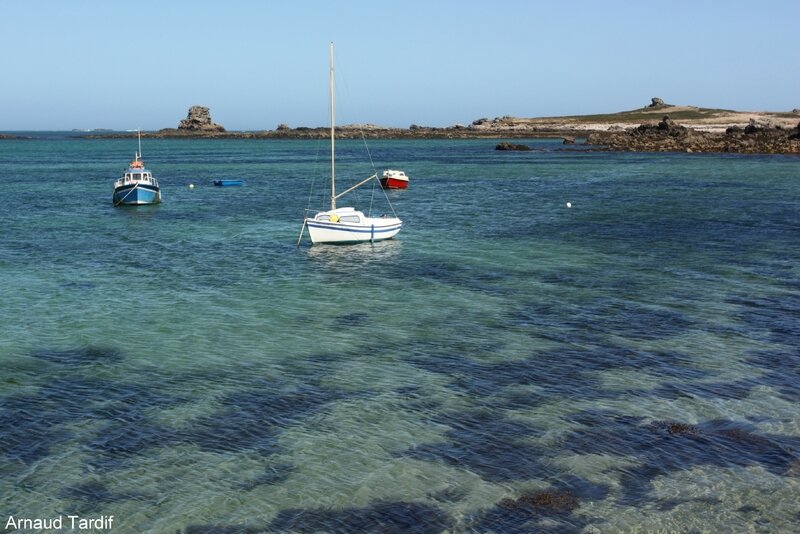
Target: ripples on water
507, 365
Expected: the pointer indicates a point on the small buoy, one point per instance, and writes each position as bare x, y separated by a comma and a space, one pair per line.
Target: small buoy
569, 204
191, 186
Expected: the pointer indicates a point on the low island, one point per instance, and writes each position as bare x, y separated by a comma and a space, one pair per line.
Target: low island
657, 127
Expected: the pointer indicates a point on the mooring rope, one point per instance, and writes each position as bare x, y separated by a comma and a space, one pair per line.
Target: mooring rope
131, 190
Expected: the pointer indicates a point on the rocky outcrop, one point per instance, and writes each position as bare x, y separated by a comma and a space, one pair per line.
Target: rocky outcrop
667, 136
795, 134
199, 120
656, 103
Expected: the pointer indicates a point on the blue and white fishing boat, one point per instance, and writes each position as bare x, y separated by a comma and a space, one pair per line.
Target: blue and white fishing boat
347, 225
137, 186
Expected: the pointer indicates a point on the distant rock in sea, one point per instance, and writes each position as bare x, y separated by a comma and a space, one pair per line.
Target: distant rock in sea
199, 120
505, 145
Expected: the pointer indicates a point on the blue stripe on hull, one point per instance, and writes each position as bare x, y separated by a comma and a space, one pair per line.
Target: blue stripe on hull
127, 196
342, 234
355, 229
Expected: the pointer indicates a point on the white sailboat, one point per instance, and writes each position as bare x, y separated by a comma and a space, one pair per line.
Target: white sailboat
347, 225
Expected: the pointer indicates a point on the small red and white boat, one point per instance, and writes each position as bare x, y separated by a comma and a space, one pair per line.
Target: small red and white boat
394, 179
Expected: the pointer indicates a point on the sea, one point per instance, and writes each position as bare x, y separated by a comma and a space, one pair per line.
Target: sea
558, 340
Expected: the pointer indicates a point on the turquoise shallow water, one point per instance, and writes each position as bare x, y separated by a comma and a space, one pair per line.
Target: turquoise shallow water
507, 364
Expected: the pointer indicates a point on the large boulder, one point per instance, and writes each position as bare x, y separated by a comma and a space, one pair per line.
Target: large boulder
656, 103
199, 120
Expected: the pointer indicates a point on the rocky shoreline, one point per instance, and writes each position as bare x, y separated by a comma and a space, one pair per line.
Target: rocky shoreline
646, 129
667, 136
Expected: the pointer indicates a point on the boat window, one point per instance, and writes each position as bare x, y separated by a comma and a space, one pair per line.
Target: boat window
350, 218
323, 217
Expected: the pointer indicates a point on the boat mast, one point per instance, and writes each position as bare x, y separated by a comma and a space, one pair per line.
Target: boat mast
333, 174
139, 133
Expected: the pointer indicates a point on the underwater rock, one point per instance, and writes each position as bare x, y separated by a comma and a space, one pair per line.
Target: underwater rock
543, 502
673, 428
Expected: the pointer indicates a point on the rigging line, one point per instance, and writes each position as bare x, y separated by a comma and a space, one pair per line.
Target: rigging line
314, 174
374, 171
386, 196
341, 81
372, 194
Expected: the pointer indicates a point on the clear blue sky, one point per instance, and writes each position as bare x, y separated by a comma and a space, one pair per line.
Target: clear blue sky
256, 64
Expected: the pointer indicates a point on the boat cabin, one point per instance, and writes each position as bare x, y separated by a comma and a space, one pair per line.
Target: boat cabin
137, 175
343, 215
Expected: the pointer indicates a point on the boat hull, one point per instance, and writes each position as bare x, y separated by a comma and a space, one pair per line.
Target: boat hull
136, 195
344, 233
394, 183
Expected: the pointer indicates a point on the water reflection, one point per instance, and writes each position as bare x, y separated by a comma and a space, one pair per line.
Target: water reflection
353, 258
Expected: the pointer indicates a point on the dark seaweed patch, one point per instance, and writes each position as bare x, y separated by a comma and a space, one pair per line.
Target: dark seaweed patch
556, 322
640, 322
352, 319
665, 447
93, 496
28, 431
564, 373
32, 424
488, 444
91, 491
461, 275
120, 440
381, 517
781, 370
747, 509
738, 389
81, 356
414, 398
592, 321
252, 420
222, 529
550, 510
775, 315
83, 285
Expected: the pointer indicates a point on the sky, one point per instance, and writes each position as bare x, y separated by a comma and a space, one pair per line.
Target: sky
257, 64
